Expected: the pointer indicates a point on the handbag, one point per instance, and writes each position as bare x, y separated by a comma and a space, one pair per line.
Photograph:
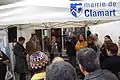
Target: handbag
8, 75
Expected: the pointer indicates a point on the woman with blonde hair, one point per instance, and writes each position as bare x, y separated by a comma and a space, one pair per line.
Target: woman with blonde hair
57, 59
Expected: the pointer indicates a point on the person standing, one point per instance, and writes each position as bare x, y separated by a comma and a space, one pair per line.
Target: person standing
61, 70
112, 63
54, 49
4, 60
103, 55
91, 43
32, 46
20, 56
97, 42
90, 66
82, 43
71, 51
118, 46
39, 61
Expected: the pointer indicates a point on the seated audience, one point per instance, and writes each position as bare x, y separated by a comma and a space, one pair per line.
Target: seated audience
61, 70
89, 65
113, 62
38, 62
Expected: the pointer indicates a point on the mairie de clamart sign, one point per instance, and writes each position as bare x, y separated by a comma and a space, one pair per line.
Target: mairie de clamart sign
95, 8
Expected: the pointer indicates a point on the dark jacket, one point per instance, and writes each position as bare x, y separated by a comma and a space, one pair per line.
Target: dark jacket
103, 49
103, 55
21, 63
3, 68
92, 45
50, 50
71, 51
113, 64
100, 75
3, 57
54, 50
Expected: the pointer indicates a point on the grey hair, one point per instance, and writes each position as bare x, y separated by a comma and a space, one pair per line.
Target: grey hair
88, 59
61, 71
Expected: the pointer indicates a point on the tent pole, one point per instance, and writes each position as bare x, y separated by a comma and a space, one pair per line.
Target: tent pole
43, 40
62, 40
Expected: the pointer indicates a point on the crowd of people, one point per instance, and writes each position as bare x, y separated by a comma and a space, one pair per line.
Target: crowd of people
95, 61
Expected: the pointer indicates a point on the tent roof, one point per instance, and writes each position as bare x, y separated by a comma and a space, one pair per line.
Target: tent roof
37, 12
67, 24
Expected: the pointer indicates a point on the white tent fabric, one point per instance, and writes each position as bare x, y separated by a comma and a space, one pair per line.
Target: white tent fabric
31, 14
26, 12
37, 11
111, 28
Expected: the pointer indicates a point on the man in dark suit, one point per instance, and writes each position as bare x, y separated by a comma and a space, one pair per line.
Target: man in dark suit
71, 49
20, 56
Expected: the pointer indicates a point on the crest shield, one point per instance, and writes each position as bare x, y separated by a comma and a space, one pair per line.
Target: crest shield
76, 9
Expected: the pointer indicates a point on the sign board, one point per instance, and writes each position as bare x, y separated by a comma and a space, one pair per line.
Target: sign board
95, 9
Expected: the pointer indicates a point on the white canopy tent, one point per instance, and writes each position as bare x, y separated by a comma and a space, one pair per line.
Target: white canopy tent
24, 12
50, 12
66, 24
42, 14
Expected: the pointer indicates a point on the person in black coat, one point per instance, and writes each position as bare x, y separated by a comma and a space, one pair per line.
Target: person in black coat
20, 55
71, 51
112, 63
4, 60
